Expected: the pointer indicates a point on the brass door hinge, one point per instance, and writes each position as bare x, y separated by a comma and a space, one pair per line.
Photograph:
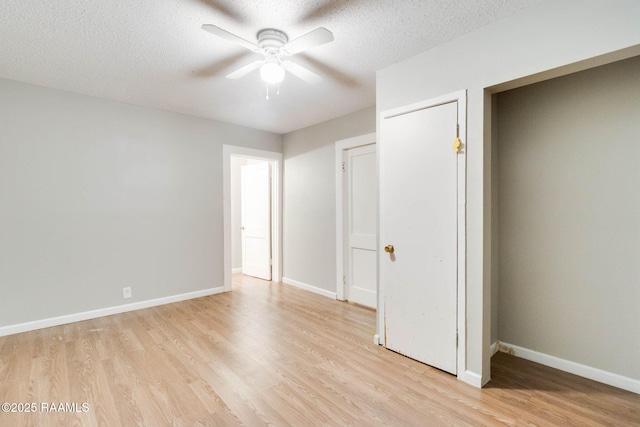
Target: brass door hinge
457, 143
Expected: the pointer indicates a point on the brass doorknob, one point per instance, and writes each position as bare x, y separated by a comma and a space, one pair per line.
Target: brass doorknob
389, 249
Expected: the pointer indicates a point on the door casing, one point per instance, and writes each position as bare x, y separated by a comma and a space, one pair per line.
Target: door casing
275, 159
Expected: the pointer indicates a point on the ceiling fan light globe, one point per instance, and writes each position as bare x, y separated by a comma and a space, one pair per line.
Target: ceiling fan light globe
272, 73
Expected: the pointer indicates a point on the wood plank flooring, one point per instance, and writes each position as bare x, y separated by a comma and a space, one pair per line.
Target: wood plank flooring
272, 354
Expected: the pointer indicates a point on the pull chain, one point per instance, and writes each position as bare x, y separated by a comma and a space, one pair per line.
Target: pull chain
277, 91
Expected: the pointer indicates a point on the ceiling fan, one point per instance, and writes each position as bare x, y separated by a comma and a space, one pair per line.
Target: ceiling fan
275, 46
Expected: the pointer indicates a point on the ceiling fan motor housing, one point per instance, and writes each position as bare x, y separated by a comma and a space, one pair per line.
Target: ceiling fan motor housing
271, 40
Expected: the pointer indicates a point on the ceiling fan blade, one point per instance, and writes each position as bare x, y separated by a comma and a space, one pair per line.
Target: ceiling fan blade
313, 38
335, 74
213, 68
324, 8
301, 73
220, 7
241, 72
217, 31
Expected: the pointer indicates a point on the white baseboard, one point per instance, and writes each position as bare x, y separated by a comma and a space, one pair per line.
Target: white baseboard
309, 288
376, 340
108, 311
236, 270
595, 374
494, 348
471, 378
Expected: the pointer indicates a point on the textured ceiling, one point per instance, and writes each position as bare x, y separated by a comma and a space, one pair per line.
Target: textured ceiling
154, 53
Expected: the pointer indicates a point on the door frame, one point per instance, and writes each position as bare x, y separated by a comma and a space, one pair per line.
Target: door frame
275, 159
460, 97
341, 148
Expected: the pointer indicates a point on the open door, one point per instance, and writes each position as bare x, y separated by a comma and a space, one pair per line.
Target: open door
256, 220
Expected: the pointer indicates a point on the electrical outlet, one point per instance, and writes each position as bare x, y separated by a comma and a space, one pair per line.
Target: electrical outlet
126, 292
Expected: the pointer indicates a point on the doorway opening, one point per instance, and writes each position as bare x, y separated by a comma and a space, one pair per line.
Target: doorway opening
261, 253
565, 240
250, 217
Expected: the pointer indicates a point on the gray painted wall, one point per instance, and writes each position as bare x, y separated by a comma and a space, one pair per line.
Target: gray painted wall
569, 238
544, 41
96, 195
310, 197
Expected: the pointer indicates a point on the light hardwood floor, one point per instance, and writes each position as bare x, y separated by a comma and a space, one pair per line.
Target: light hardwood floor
272, 354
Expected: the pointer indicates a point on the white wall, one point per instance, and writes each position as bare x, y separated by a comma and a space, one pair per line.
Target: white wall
569, 238
548, 36
310, 198
96, 195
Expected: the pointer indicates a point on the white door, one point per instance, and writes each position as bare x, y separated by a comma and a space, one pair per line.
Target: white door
419, 204
362, 189
255, 200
